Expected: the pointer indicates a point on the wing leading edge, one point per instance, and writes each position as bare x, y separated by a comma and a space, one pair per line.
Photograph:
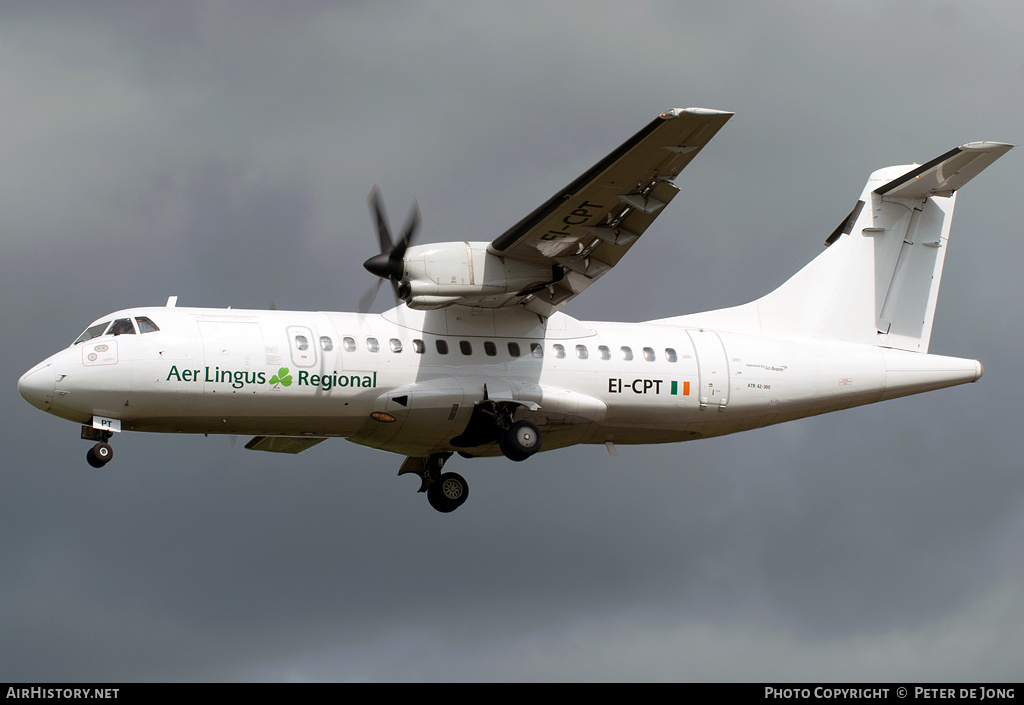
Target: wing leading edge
584, 230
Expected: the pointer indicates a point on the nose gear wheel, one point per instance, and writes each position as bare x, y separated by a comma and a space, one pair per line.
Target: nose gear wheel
99, 455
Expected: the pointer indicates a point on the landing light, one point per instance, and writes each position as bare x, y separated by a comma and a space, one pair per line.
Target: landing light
382, 416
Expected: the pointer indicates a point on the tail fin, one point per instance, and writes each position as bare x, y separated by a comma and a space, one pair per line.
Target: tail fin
878, 280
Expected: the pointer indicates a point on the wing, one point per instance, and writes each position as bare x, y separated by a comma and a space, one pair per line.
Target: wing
584, 230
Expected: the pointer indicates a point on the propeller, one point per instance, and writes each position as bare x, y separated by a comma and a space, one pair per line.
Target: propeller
390, 263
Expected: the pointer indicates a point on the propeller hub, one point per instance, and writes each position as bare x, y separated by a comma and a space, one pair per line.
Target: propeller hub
384, 266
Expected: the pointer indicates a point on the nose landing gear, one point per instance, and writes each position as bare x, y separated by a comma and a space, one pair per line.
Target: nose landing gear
101, 453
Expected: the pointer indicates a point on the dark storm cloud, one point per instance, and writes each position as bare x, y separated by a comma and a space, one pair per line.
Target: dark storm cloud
223, 152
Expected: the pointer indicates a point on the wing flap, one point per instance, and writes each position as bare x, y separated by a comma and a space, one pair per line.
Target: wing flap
588, 226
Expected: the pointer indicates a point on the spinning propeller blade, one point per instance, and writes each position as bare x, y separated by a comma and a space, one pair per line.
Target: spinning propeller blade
390, 263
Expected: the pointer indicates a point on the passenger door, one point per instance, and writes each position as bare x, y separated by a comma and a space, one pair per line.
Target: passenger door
302, 345
713, 367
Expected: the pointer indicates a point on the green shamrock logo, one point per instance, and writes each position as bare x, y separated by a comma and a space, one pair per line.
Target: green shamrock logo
283, 377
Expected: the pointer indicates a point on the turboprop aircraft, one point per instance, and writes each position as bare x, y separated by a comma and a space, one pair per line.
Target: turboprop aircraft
479, 359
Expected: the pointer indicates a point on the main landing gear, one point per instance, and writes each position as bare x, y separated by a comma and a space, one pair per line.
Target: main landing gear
101, 453
519, 441
494, 421
447, 491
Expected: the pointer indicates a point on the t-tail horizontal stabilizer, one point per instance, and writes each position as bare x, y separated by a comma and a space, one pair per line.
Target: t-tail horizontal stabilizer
944, 175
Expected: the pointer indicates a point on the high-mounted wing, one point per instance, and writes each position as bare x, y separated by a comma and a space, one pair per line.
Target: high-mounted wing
584, 230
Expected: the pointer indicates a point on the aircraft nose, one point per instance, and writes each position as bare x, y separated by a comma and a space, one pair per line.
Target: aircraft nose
37, 385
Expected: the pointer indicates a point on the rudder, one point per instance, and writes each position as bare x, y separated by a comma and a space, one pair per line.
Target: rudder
912, 250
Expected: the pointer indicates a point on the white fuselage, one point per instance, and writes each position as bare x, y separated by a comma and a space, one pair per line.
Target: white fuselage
322, 374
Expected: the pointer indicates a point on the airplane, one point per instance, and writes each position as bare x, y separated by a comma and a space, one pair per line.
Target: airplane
477, 357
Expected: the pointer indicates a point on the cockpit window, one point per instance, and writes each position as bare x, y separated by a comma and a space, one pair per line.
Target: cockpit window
122, 326
145, 325
93, 331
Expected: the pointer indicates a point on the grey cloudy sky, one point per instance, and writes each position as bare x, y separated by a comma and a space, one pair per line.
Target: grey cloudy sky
222, 152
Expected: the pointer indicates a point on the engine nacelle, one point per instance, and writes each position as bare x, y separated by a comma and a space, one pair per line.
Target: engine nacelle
446, 273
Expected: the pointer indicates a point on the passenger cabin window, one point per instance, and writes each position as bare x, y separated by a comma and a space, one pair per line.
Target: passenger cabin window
536, 349
145, 325
670, 354
604, 352
442, 346
372, 345
301, 342
326, 343
490, 348
418, 346
92, 332
122, 326
348, 343
396, 345
649, 354
627, 352
581, 352
513, 349
465, 347
559, 351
